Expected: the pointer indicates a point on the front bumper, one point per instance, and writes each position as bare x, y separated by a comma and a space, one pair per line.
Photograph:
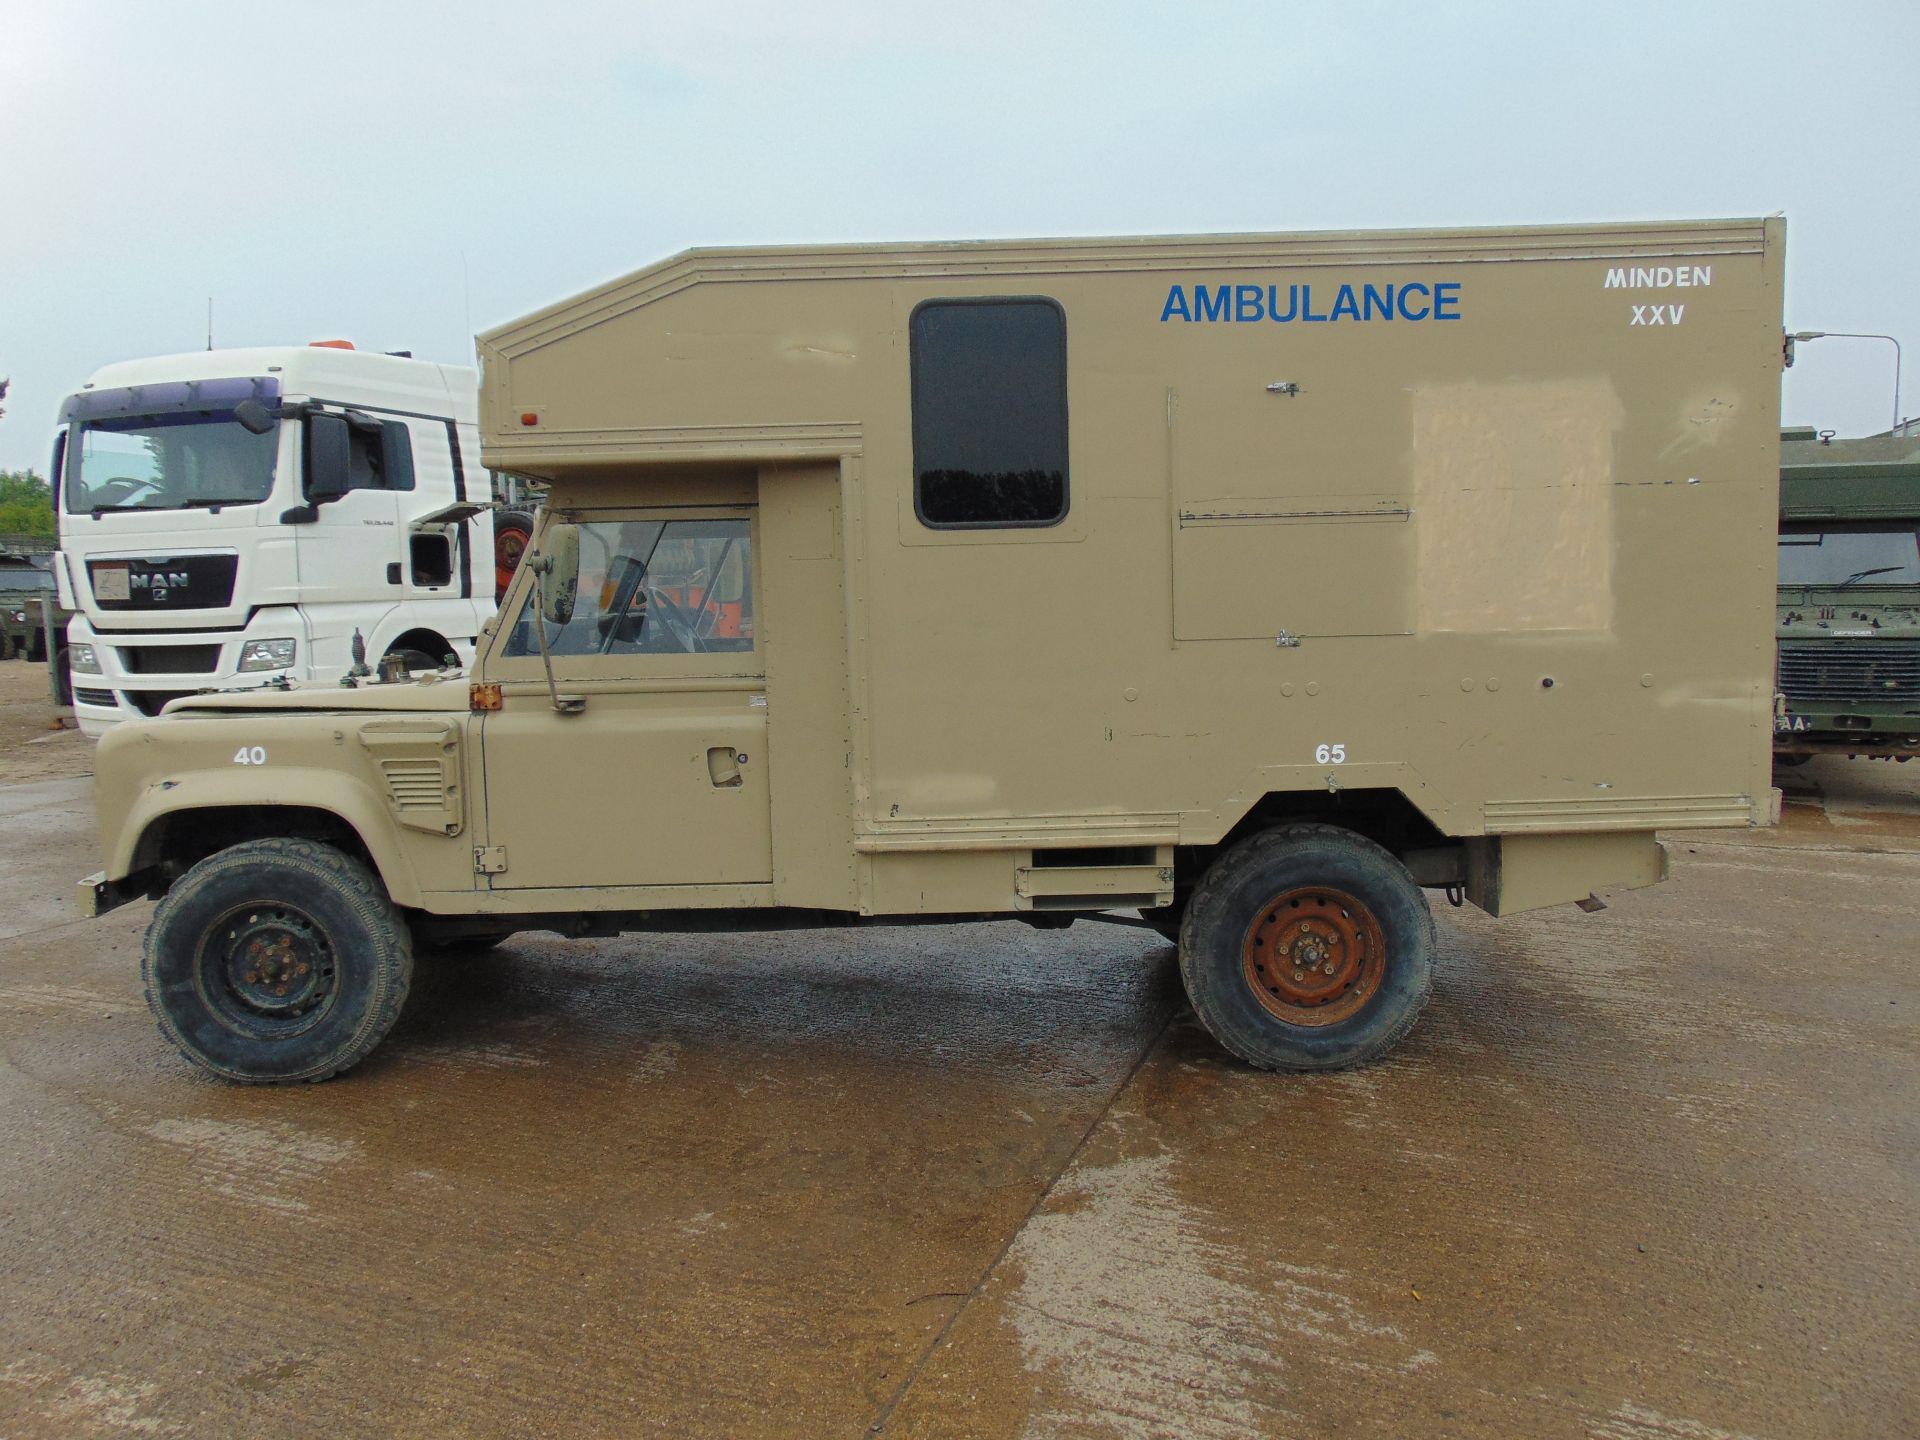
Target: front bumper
140, 673
97, 895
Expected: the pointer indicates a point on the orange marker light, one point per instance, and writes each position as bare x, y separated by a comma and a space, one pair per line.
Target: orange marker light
529, 417
329, 344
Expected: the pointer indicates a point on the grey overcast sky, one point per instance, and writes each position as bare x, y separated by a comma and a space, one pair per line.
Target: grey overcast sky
404, 174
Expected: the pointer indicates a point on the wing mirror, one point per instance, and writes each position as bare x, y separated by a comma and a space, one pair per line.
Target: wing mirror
558, 568
254, 417
329, 458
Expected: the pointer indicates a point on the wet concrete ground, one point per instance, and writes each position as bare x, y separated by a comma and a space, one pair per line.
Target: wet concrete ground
1648, 1174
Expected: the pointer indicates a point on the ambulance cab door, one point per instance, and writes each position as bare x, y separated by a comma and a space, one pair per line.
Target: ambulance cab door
655, 771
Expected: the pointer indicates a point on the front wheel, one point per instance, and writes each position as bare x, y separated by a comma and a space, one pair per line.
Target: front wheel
277, 961
1307, 948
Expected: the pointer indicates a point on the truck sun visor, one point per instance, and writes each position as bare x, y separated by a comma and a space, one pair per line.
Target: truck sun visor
170, 397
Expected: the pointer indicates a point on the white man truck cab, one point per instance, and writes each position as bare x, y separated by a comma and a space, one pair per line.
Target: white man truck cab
236, 518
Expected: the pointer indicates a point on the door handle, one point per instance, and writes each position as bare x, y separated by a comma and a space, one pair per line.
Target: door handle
723, 767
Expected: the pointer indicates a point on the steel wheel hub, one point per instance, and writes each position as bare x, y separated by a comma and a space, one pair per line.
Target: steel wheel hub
1315, 956
273, 963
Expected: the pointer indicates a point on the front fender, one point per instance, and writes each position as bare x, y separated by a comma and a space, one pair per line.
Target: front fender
149, 770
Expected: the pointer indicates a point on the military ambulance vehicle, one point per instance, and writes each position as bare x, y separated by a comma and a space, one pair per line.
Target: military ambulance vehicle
236, 518
1848, 607
1243, 584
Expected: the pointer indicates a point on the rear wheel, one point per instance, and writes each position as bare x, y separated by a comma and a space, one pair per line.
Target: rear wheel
1307, 948
277, 961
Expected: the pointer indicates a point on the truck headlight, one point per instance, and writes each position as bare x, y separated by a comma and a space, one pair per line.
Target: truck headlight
80, 658
266, 655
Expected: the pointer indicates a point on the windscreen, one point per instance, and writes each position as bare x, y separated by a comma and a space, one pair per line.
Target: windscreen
651, 587
167, 462
1886, 554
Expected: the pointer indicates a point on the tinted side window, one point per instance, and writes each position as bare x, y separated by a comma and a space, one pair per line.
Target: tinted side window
989, 412
381, 460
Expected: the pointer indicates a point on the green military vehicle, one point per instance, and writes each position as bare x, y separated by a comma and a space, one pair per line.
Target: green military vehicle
26, 579
1241, 587
1848, 616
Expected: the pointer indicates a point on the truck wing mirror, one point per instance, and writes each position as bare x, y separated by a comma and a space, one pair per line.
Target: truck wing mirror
254, 417
328, 458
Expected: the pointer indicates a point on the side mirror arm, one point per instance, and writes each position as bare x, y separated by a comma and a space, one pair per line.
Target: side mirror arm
542, 566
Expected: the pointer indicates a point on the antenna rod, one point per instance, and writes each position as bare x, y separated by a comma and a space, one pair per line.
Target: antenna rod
209, 322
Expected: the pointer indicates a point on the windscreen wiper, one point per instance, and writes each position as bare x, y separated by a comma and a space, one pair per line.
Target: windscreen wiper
1863, 574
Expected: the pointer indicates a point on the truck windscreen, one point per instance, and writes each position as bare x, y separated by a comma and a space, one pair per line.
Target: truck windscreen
1853, 554
168, 462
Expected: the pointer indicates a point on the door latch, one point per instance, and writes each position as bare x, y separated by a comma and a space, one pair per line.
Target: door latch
723, 767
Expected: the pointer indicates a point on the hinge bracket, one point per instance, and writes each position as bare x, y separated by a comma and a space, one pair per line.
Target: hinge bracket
489, 859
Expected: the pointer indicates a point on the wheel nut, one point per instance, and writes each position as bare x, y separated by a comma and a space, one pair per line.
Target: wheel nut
1299, 974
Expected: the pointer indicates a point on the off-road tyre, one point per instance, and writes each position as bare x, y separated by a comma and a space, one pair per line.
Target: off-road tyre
1342, 898
251, 915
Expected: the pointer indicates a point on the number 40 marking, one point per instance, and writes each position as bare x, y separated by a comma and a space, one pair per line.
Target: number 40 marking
255, 755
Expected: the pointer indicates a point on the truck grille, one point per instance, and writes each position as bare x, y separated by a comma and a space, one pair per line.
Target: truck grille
1823, 674
184, 582
95, 697
169, 659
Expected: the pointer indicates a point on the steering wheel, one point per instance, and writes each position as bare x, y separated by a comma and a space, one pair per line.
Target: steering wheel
112, 492
673, 616
625, 617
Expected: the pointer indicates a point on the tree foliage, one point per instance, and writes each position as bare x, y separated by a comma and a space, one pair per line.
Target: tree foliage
26, 504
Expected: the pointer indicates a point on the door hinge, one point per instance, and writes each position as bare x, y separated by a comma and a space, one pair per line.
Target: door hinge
489, 859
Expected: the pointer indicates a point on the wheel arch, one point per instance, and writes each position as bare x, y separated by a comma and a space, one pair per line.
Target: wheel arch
167, 840
1384, 815
1388, 802
425, 639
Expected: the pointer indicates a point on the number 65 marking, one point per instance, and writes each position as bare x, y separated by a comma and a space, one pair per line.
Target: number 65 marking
1330, 754
257, 755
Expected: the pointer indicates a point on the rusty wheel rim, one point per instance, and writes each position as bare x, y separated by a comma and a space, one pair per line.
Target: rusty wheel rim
1315, 956
268, 971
